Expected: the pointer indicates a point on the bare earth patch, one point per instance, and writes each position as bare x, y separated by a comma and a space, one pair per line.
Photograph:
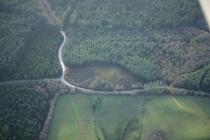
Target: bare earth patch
103, 77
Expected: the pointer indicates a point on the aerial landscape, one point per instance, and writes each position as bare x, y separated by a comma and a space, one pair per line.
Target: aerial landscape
104, 70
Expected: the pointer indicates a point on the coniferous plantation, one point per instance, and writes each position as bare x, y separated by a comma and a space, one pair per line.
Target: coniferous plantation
155, 40
104, 70
23, 112
28, 43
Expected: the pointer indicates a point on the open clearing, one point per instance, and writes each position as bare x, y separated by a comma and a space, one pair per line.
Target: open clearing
79, 117
103, 77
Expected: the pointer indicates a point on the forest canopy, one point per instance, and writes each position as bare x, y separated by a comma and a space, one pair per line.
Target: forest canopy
28, 42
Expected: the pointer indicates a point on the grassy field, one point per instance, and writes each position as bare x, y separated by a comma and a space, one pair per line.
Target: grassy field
73, 119
181, 118
79, 117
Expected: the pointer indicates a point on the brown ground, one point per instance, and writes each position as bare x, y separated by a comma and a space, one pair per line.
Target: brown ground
86, 76
158, 135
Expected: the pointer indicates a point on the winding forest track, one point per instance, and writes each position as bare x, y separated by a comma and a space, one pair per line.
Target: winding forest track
55, 20
129, 92
52, 16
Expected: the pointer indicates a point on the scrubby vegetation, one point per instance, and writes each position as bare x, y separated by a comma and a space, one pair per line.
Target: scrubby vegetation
28, 42
22, 113
103, 77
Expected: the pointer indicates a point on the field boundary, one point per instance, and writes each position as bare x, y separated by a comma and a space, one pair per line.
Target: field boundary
44, 132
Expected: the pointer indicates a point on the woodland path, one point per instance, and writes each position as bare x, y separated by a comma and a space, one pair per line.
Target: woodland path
55, 20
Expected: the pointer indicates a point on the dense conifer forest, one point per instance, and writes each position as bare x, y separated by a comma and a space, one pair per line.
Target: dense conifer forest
22, 112
28, 42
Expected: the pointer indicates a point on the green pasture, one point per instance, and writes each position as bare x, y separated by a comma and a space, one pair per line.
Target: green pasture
83, 117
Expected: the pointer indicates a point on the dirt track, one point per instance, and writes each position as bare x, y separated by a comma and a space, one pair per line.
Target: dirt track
49, 12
